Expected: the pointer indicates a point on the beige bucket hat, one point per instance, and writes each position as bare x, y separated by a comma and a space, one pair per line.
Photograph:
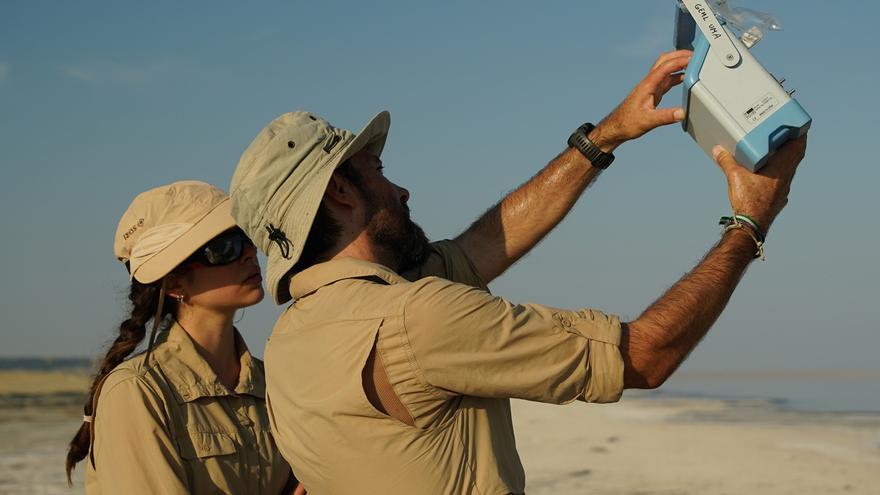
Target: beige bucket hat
281, 178
163, 226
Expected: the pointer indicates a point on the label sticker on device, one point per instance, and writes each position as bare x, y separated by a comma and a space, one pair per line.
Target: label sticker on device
760, 109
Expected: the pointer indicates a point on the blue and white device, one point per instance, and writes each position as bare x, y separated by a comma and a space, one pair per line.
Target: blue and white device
729, 98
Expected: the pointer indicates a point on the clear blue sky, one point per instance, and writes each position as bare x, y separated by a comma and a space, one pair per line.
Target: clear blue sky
102, 100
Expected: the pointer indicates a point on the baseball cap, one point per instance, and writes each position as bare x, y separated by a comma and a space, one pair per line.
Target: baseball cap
162, 227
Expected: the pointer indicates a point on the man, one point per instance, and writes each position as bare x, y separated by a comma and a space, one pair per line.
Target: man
392, 370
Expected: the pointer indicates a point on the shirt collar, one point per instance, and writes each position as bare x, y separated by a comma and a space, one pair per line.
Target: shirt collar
317, 276
192, 377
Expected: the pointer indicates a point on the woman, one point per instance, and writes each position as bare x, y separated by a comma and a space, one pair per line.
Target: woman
189, 414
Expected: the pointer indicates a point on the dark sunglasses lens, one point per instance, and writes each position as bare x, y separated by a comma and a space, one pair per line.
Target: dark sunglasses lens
224, 249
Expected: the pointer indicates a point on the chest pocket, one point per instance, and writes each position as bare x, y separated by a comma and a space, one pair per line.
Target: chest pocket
200, 444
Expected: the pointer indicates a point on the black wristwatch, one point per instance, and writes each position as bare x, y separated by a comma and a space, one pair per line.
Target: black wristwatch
579, 141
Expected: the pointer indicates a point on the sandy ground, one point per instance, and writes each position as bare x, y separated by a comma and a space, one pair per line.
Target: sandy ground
39, 413
641, 446
650, 446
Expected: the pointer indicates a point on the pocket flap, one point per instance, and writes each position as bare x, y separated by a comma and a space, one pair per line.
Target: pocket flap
199, 444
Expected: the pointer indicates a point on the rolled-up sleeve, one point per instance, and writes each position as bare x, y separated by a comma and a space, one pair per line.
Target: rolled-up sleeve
134, 450
464, 341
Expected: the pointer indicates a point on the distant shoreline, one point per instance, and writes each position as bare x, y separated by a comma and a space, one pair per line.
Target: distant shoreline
822, 391
31, 363
41, 383
84, 362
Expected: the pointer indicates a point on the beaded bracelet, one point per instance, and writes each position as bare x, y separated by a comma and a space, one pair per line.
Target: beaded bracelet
750, 226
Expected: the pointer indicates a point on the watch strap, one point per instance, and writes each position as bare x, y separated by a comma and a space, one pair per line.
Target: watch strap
579, 141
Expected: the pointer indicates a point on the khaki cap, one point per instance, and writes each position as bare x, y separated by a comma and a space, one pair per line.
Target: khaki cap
163, 226
281, 178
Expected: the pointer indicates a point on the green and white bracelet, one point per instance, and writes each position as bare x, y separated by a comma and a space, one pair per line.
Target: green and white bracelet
750, 226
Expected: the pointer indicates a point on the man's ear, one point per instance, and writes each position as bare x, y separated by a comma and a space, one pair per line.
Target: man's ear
340, 193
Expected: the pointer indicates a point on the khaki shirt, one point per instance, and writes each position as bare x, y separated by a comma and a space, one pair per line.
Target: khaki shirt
169, 426
454, 355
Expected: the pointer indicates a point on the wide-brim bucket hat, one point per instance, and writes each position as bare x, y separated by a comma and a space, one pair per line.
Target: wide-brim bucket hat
163, 226
280, 181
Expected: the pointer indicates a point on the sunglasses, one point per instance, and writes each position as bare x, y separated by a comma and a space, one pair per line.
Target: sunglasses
224, 249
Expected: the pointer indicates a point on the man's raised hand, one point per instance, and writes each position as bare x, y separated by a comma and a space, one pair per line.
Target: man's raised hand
763, 194
638, 113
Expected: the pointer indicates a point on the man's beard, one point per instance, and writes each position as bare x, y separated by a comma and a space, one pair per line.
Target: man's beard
402, 242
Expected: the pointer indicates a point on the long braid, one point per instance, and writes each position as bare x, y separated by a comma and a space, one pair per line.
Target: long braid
145, 301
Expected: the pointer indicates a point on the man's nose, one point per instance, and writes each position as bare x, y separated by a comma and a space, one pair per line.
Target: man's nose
403, 193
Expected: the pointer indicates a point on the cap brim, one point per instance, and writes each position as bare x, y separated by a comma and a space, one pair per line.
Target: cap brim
371, 137
215, 222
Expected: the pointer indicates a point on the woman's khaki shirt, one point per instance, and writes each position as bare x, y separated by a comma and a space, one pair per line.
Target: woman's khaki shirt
169, 426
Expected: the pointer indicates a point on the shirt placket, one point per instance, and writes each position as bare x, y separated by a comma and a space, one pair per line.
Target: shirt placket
243, 405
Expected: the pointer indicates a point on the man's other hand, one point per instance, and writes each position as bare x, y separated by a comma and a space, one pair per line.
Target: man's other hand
763, 194
638, 113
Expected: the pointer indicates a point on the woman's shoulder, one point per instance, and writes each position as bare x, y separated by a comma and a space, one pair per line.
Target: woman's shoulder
133, 375
130, 395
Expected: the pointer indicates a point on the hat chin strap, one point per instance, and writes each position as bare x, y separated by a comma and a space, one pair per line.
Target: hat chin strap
157, 318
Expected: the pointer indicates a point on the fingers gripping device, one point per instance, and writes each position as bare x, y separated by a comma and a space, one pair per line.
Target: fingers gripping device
729, 98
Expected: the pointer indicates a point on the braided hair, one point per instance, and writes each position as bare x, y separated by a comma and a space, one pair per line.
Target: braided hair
144, 304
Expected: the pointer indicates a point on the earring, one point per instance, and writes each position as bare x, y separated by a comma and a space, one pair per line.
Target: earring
178, 298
